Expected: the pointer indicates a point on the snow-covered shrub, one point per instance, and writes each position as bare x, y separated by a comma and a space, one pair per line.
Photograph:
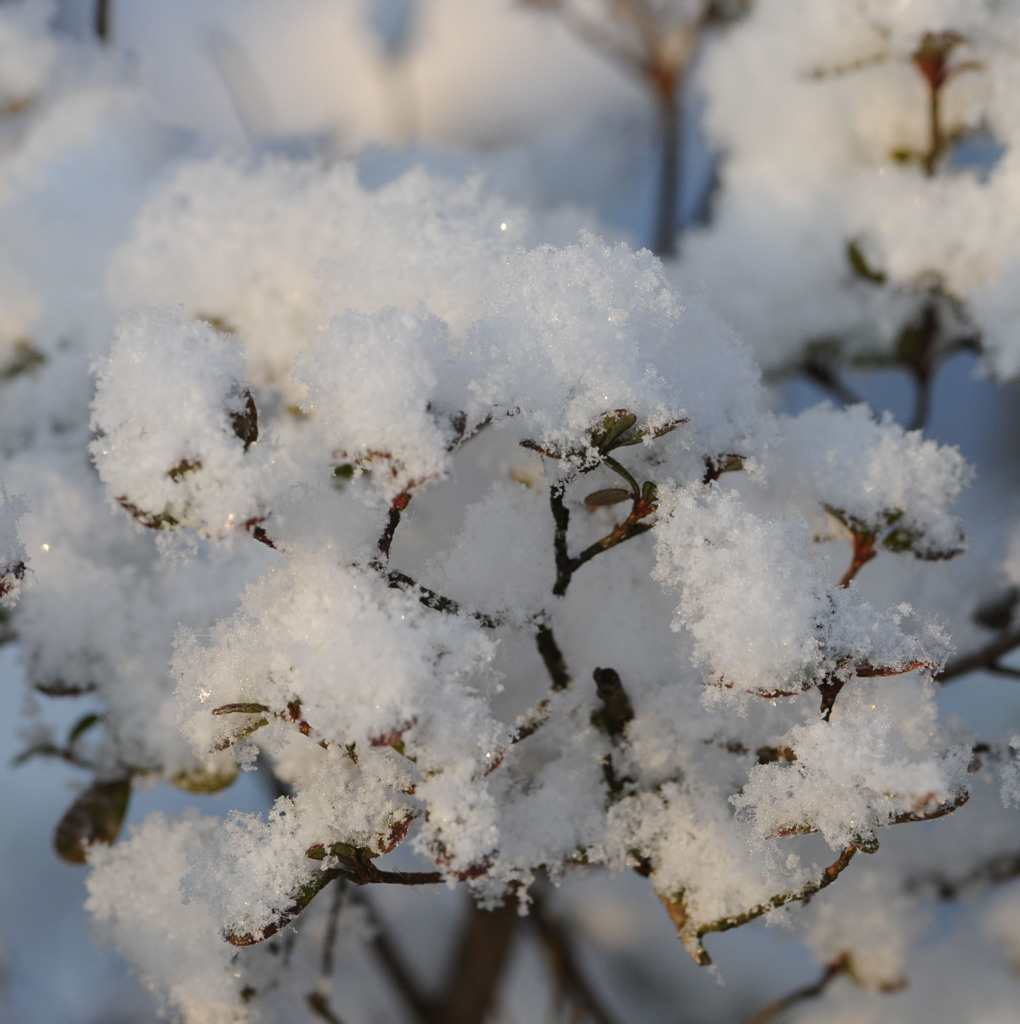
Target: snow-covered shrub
493, 557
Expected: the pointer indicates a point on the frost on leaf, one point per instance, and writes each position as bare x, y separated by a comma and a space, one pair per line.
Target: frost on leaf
850, 777
177, 426
875, 478
13, 557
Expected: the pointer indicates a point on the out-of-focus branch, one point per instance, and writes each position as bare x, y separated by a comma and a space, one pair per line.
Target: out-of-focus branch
638, 41
984, 658
832, 971
102, 20
476, 968
564, 960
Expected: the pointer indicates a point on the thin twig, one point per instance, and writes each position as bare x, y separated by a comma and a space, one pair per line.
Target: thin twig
397, 506
552, 657
832, 971
983, 658
329, 942
437, 602
566, 565
319, 1005
102, 20
824, 374
691, 934
391, 961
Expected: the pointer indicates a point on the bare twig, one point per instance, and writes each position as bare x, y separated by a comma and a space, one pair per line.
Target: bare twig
984, 658
839, 966
1004, 867
397, 506
691, 934
319, 1005
391, 961
552, 657
102, 20
566, 565
864, 552
437, 602
823, 372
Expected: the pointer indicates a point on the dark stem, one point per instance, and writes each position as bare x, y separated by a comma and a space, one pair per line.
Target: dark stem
102, 20
999, 869
824, 374
329, 943
393, 963
986, 657
477, 966
671, 155
561, 519
437, 602
831, 972
397, 506
319, 1005
566, 566
565, 961
936, 141
552, 657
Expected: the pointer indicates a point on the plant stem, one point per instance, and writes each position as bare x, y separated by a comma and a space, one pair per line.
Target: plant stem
476, 969
832, 971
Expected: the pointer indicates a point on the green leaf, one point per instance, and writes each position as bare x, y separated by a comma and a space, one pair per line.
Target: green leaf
206, 778
95, 816
182, 469
860, 265
82, 726
240, 709
611, 432
153, 520
26, 358
607, 496
246, 423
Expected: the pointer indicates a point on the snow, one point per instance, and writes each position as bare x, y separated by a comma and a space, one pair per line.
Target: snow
338, 470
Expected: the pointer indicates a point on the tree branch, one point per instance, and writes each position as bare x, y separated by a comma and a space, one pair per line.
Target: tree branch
839, 966
552, 657
986, 657
691, 935
437, 602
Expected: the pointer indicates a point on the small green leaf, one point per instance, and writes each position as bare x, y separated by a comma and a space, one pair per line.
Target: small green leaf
246, 423
904, 155
182, 469
345, 471
26, 358
649, 492
611, 432
607, 496
240, 709
860, 265
206, 778
82, 726
153, 520
95, 816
